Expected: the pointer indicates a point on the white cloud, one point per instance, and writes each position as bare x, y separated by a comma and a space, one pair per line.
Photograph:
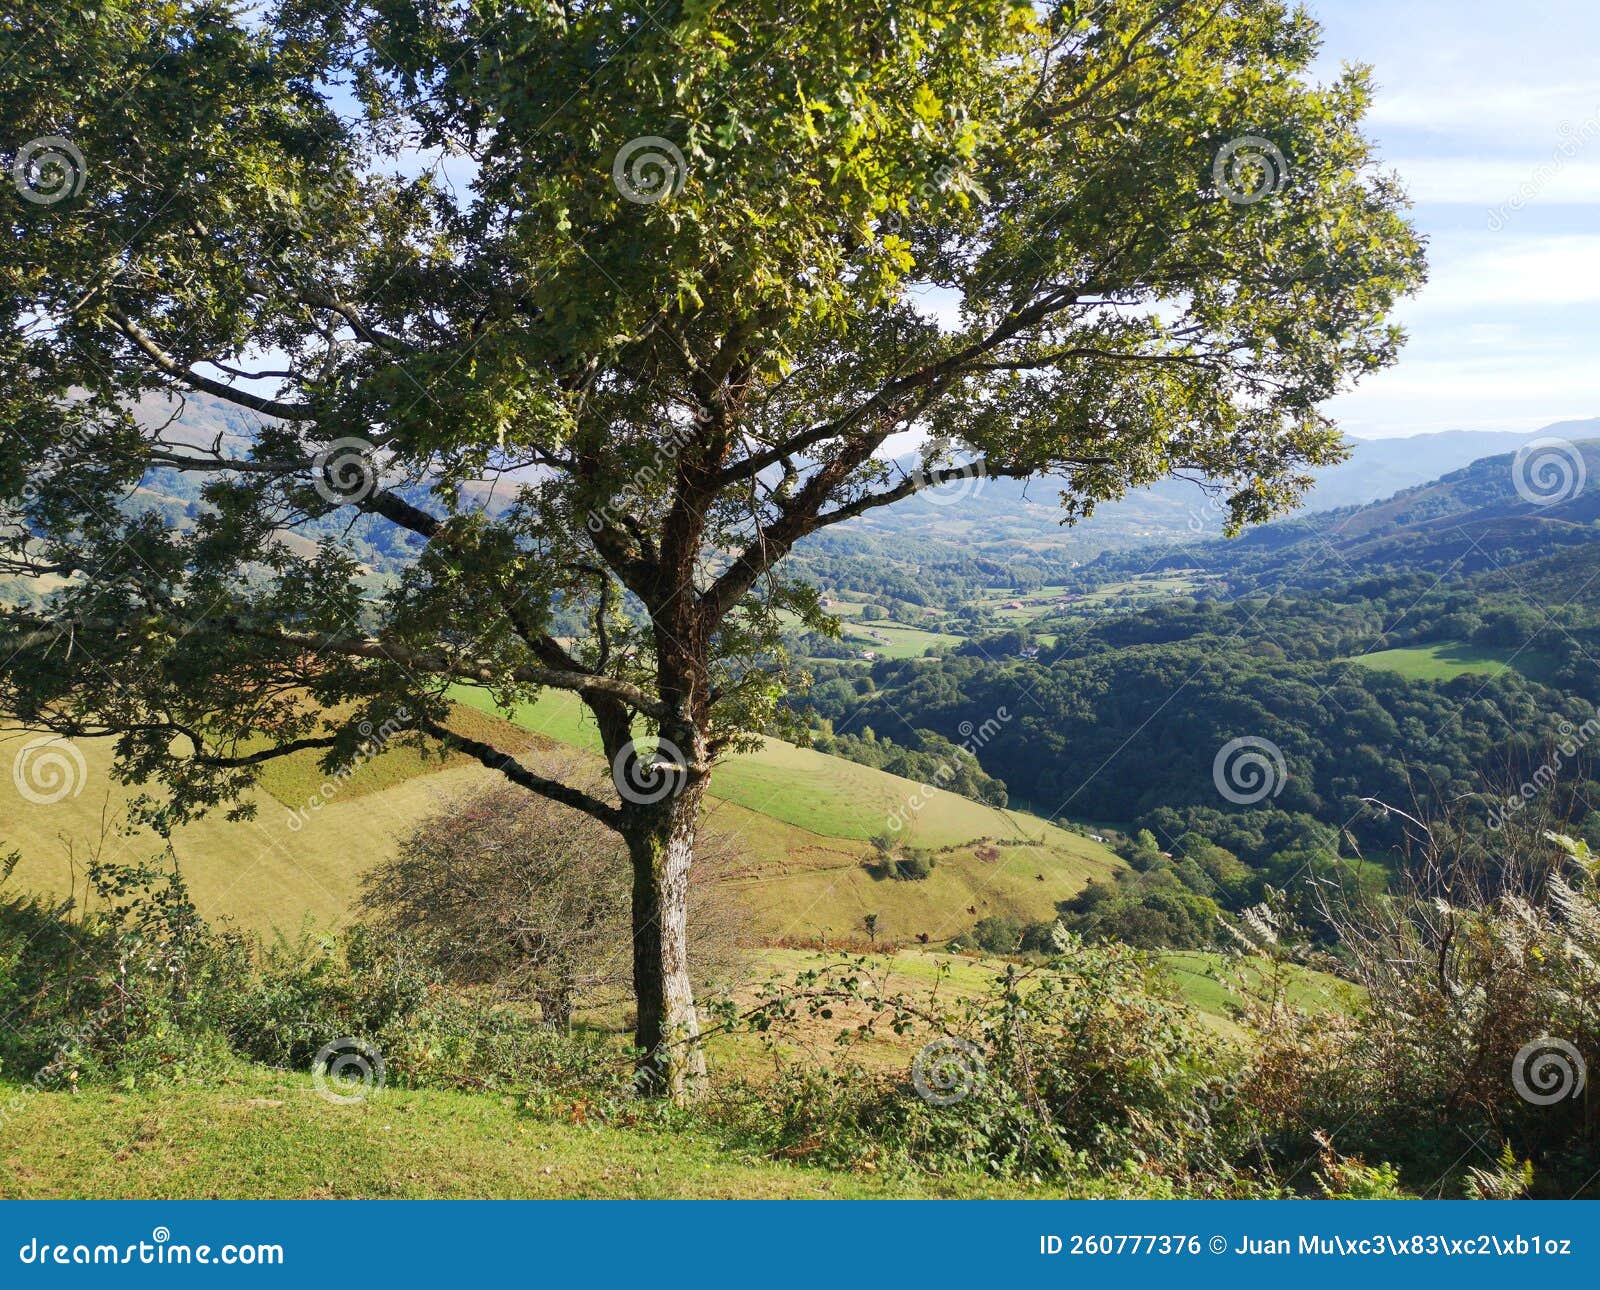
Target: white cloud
1551, 176
1493, 272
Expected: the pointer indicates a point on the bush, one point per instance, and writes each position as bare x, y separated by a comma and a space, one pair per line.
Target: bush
1081, 1066
1480, 987
117, 993
508, 890
997, 934
139, 990
912, 866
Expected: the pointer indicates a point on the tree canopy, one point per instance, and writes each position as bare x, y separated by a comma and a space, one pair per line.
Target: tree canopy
608, 306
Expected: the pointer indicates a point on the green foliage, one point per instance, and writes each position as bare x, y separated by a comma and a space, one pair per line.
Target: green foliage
1479, 1011
139, 990
1080, 1067
924, 758
997, 934
118, 993
644, 341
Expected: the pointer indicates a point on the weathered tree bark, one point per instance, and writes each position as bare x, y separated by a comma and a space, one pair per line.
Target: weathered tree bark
667, 1032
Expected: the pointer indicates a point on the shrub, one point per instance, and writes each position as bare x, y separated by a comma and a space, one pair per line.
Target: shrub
139, 989
117, 992
1080, 1066
509, 890
1480, 987
997, 934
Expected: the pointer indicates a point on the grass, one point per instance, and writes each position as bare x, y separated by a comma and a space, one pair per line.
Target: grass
895, 640
290, 862
818, 793
803, 818
1217, 988
1447, 660
799, 819
256, 1133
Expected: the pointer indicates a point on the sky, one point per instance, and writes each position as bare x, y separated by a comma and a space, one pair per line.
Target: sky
1491, 115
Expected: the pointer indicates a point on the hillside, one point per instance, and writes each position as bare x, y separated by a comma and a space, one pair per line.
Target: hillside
798, 820
1484, 516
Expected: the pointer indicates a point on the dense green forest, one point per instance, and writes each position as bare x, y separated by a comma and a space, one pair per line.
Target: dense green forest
1453, 663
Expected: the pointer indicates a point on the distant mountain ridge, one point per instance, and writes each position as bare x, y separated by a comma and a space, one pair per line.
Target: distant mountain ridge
1493, 514
1376, 469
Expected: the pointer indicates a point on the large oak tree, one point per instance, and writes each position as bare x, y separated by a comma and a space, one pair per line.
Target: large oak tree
669, 276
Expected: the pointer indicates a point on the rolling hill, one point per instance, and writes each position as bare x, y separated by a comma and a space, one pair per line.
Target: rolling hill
799, 822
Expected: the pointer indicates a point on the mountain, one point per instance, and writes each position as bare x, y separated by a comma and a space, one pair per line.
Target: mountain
1496, 512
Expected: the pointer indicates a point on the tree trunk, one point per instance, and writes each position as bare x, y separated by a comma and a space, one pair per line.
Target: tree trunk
661, 842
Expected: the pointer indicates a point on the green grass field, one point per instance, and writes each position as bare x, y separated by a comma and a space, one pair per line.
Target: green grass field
895, 640
255, 1133
1447, 660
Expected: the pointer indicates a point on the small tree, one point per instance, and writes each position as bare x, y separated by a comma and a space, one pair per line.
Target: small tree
513, 891
667, 324
870, 922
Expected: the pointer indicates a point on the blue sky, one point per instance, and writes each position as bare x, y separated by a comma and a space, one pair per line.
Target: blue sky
1491, 115
1474, 102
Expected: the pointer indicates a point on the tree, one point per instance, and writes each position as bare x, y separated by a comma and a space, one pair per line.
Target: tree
870, 922
510, 890
640, 320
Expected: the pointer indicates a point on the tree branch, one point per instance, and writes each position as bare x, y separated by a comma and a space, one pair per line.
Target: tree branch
521, 776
